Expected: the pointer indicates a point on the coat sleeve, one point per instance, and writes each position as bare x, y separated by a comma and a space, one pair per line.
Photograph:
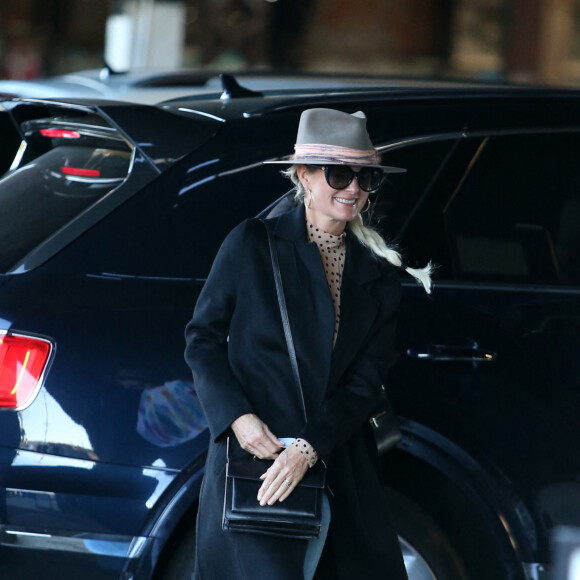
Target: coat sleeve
359, 392
221, 395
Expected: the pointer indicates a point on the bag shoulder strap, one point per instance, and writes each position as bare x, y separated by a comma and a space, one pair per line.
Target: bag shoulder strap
285, 319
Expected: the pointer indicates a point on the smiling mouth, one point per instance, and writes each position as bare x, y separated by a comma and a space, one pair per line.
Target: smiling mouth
346, 201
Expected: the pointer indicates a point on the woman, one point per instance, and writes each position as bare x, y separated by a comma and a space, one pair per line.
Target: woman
342, 291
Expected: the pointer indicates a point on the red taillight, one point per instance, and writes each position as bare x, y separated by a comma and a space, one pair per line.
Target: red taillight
60, 133
22, 362
81, 172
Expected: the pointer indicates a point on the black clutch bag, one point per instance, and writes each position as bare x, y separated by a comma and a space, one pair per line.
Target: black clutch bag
300, 514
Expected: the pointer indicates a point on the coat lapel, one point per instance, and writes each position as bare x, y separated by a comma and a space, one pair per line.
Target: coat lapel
310, 308
358, 308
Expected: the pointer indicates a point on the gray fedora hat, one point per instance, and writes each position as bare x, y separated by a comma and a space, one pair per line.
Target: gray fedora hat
331, 137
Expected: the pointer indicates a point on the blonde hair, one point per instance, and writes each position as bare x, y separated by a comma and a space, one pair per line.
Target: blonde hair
371, 239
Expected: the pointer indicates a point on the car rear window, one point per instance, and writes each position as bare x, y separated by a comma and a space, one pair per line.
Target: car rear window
62, 166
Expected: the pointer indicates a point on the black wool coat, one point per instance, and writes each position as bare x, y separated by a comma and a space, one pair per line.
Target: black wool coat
237, 352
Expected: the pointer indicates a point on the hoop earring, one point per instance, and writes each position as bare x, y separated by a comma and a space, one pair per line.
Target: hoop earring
367, 207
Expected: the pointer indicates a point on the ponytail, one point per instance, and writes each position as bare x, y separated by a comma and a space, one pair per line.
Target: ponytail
372, 240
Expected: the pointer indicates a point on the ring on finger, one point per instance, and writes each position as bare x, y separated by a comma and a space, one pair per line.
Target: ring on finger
287, 482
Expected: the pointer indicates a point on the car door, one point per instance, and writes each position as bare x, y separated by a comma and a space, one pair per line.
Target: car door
490, 360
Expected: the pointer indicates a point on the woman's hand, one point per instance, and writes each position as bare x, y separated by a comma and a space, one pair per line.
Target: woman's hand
282, 476
254, 437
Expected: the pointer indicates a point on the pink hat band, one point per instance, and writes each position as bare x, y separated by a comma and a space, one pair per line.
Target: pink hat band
334, 154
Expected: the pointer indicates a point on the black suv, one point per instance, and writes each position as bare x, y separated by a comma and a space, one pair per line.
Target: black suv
110, 216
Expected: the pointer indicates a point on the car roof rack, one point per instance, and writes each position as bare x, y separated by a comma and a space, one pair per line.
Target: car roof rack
382, 95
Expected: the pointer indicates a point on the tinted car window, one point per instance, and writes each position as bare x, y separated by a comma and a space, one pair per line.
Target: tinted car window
401, 205
515, 216
61, 168
195, 210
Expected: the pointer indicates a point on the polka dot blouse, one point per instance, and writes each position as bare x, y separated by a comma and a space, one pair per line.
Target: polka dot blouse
332, 251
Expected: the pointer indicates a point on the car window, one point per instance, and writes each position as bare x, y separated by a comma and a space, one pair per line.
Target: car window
61, 167
514, 219
403, 208
178, 224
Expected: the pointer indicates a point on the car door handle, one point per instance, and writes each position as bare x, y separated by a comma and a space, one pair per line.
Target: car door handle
448, 352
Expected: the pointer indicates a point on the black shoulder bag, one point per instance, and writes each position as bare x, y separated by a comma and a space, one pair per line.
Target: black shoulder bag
300, 514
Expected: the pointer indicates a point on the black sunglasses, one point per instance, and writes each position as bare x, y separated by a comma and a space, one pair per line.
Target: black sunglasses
340, 176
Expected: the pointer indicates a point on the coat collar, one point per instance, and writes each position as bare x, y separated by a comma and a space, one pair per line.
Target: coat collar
362, 267
291, 225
